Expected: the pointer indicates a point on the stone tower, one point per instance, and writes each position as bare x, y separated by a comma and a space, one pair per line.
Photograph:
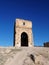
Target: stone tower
23, 35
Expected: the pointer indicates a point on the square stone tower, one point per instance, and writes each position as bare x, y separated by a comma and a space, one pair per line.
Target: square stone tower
23, 35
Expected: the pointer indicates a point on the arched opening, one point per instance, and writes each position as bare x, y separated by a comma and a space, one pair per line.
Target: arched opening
24, 39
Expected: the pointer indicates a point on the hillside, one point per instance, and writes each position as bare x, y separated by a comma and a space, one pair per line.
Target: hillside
24, 56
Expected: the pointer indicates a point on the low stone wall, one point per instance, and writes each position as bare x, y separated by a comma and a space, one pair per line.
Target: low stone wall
46, 44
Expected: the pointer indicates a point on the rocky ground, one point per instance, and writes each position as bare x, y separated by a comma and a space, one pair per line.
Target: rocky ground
24, 56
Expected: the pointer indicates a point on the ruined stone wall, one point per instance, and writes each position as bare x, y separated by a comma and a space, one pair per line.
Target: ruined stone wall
20, 27
46, 44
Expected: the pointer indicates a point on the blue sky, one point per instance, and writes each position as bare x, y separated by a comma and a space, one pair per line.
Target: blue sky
35, 10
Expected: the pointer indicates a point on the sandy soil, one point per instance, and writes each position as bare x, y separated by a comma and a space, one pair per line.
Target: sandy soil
24, 56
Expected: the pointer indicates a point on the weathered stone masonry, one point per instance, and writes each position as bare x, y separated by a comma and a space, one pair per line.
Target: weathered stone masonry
23, 33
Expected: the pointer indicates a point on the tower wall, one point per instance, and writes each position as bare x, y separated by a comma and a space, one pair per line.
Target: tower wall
20, 27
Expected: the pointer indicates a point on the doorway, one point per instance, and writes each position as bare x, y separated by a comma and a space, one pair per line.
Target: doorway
24, 39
